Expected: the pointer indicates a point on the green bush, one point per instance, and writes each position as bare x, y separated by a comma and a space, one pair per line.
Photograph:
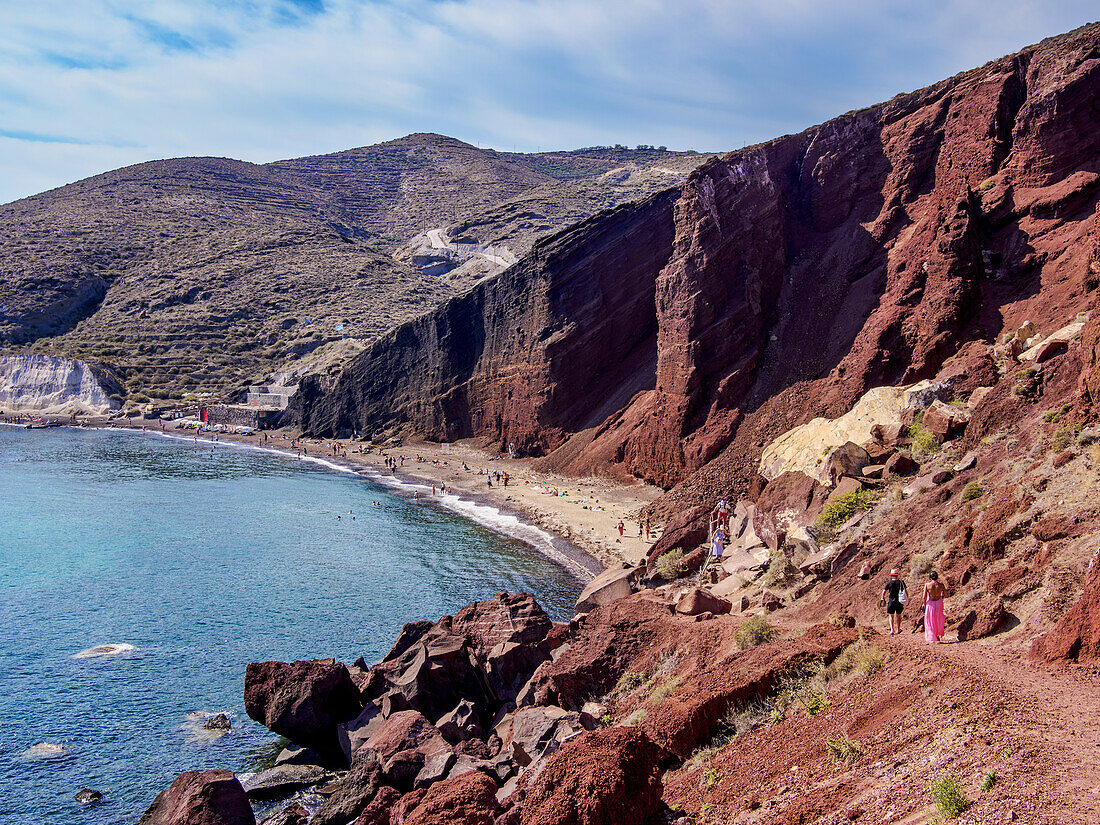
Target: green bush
972, 491
754, 631
835, 514
1061, 439
843, 749
925, 442
988, 781
948, 798
671, 564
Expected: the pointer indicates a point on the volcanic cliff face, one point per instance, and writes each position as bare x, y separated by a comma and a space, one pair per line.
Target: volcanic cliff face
862, 252
502, 360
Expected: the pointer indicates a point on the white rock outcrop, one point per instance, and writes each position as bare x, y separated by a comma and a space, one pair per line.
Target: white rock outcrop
806, 448
52, 386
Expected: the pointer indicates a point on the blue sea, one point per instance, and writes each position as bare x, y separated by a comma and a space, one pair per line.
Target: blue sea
203, 559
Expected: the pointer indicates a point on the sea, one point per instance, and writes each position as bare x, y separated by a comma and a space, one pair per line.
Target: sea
191, 560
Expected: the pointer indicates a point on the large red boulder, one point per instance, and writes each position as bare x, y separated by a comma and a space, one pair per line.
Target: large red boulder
605, 777
303, 701
1076, 637
469, 799
983, 619
697, 601
687, 529
201, 798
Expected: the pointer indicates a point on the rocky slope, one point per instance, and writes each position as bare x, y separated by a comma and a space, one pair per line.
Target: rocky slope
803, 272
202, 274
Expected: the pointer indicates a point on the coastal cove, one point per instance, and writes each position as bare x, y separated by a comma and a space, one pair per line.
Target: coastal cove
204, 558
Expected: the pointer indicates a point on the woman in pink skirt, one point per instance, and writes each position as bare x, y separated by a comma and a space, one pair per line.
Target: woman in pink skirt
933, 608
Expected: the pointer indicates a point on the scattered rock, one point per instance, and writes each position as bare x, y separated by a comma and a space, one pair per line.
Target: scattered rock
874, 470
201, 798
606, 776
901, 464
941, 476
282, 780
293, 814
982, 619
613, 583
944, 420
967, 461
847, 460
218, 722
87, 796
469, 799
697, 601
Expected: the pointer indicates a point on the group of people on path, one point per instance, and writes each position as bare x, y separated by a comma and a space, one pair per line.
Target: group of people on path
895, 596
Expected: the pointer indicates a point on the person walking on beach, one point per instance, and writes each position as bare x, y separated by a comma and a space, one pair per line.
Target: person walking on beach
895, 596
621, 527
934, 591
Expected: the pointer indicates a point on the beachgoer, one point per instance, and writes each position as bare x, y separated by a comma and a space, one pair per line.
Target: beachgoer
934, 591
621, 527
719, 543
895, 596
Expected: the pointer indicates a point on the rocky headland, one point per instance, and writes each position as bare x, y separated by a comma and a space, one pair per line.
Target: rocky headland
878, 341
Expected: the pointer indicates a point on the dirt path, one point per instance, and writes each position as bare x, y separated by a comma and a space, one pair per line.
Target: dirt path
1051, 710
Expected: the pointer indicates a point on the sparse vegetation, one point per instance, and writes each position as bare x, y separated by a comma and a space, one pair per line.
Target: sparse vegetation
710, 778
629, 681
843, 749
671, 564
1061, 439
988, 781
925, 442
663, 690
972, 491
754, 631
920, 564
780, 569
834, 515
948, 797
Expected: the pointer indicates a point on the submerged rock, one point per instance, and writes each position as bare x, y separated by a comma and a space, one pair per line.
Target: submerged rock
87, 796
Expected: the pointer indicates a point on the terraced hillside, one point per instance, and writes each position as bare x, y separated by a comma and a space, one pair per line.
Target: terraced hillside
204, 274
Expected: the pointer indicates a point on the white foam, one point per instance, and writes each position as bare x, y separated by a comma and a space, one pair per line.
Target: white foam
104, 650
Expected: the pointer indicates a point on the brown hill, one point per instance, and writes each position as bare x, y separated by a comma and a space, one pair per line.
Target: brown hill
199, 274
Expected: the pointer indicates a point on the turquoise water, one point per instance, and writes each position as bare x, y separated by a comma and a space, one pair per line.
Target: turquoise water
203, 560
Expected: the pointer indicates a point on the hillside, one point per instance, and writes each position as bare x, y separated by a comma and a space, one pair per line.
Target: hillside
202, 274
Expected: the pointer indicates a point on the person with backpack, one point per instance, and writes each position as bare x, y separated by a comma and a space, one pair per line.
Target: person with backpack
895, 596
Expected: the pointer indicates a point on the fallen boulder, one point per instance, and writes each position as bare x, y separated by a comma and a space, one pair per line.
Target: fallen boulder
982, 619
352, 796
603, 777
303, 701
944, 420
697, 601
469, 799
613, 583
201, 798
293, 814
282, 780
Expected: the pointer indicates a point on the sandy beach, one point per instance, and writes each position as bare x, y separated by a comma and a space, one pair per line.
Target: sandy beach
583, 511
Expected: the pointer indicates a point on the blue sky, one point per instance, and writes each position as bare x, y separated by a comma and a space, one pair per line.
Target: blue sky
91, 85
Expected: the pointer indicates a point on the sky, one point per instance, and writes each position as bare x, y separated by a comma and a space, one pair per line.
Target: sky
92, 85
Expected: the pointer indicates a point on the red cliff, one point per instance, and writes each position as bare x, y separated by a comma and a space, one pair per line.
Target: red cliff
671, 339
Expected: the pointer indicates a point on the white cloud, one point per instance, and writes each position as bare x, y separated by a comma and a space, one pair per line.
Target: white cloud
130, 80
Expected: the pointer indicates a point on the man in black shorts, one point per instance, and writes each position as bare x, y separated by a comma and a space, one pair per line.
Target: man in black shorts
895, 597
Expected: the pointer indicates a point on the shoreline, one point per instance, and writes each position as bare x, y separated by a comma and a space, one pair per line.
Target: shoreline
578, 525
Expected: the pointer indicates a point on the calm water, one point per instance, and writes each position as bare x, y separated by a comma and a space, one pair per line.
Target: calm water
203, 560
